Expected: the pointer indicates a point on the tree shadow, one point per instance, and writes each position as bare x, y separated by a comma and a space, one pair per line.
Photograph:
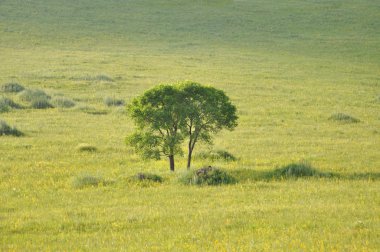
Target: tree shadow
299, 171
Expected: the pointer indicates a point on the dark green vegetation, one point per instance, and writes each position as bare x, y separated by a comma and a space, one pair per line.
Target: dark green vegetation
344, 118
6, 130
208, 176
286, 65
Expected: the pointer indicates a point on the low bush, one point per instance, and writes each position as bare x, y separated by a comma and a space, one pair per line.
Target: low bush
62, 102
113, 102
83, 181
148, 177
30, 95
296, 170
6, 130
7, 102
12, 87
40, 103
83, 147
207, 176
344, 118
217, 155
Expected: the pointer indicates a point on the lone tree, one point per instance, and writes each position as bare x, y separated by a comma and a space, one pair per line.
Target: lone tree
158, 114
167, 114
208, 110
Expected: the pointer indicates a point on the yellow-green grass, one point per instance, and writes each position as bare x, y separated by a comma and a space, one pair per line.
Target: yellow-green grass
287, 65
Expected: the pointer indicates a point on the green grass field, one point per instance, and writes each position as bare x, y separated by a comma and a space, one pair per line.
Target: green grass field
288, 66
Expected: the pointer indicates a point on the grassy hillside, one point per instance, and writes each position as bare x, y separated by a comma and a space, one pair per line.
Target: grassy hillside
289, 66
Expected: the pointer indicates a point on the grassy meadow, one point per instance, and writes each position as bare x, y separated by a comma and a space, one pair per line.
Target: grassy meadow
289, 66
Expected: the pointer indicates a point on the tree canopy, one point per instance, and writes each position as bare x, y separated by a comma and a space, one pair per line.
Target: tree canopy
167, 114
208, 110
157, 115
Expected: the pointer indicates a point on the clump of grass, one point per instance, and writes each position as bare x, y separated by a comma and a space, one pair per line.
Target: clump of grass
6, 130
217, 155
12, 87
84, 147
83, 181
145, 179
7, 102
40, 103
296, 170
344, 118
30, 95
109, 101
148, 177
63, 102
207, 176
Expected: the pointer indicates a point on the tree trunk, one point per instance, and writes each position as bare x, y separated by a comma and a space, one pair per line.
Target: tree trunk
171, 160
189, 158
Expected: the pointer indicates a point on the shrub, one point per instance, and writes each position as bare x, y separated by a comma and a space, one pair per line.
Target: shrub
296, 170
86, 181
344, 118
83, 147
6, 102
6, 130
207, 176
40, 103
30, 95
148, 177
12, 87
217, 155
113, 102
62, 102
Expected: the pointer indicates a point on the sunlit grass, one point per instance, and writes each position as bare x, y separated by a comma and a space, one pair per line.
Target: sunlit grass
289, 66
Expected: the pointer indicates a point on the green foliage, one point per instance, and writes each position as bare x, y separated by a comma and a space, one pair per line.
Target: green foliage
6, 130
207, 176
207, 111
12, 87
157, 115
83, 181
343, 118
109, 101
168, 113
147, 144
62, 102
84, 147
